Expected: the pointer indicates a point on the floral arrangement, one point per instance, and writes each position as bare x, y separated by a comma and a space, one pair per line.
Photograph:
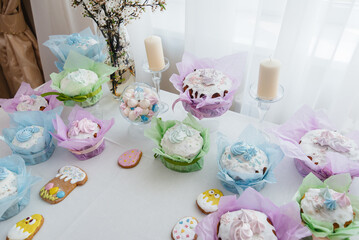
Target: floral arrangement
109, 16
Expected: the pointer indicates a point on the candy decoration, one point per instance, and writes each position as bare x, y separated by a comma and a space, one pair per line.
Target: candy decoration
54, 190
185, 229
60, 194
130, 158
49, 186
139, 104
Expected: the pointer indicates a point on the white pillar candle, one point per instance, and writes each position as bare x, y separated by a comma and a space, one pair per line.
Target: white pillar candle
154, 51
268, 79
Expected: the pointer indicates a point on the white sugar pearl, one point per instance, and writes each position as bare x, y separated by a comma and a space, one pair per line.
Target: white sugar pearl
145, 103
132, 116
132, 102
126, 111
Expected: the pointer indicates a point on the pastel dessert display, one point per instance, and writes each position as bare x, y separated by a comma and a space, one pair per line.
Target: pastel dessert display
246, 224
208, 201
26, 229
185, 229
248, 162
326, 207
252, 216
84, 136
15, 184
139, 103
81, 80
29, 135
130, 158
207, 86
27, 99
58, 188
180, 145
85, 43
312, 141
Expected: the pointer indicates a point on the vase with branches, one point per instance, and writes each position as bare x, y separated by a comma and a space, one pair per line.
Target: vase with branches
111, 17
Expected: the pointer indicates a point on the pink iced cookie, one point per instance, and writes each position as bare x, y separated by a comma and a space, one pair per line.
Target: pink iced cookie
130, 158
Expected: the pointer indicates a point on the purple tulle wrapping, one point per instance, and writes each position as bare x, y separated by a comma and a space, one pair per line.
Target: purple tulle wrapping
286, 219
303, 121
232, 66
9, 105
81, 144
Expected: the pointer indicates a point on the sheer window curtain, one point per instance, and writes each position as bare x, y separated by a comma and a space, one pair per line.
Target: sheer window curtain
317, 42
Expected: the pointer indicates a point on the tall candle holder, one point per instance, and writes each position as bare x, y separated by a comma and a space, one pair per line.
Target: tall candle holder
264, 104
156, 78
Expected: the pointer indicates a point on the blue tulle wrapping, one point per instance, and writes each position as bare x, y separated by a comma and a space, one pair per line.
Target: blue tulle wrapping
37, 153
61, 45
257, 181
12, 205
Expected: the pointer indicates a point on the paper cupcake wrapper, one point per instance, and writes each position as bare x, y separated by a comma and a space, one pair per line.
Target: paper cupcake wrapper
195, 165
304, 170
12, 205
89, 152
37, 157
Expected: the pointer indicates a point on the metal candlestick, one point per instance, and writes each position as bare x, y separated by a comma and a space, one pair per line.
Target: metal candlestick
156, 78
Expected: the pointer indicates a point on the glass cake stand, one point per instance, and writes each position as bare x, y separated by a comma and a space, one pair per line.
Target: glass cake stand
156, 78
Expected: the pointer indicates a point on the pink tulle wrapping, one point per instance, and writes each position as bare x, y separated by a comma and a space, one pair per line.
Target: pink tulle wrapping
9, 105
232, 66
286, 219
303, 121
78, 144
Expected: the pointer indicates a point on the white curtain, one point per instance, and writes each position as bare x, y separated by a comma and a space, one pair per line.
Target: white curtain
317, 42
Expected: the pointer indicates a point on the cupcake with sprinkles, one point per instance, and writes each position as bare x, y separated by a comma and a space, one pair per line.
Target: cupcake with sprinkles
180, 145
15, 184
248, 162
326, 207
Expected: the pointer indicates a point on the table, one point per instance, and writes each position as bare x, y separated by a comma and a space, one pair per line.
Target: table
139, 203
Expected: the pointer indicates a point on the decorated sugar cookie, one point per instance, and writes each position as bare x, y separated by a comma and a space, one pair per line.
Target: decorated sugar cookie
67, 179
26, 228
130, 158
185, 229
208, 201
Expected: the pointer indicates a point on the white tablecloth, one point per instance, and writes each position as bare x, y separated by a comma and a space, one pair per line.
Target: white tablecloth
139, 203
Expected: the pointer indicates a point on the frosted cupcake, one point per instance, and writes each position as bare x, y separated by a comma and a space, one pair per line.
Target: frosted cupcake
317, 143
73, 83
83, 129
208, 82
180, 145
31, 103
244, 158
327, 205
245, 224
28, 137
182, 140
8, 183
15, 186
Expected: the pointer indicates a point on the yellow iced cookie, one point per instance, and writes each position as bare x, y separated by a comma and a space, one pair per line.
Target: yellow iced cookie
208, 200
26, 228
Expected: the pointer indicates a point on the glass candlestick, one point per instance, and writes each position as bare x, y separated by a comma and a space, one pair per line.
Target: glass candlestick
156, 78
264, 104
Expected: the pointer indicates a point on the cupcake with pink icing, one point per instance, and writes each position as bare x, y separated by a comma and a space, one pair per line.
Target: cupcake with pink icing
139, 103
84, 136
